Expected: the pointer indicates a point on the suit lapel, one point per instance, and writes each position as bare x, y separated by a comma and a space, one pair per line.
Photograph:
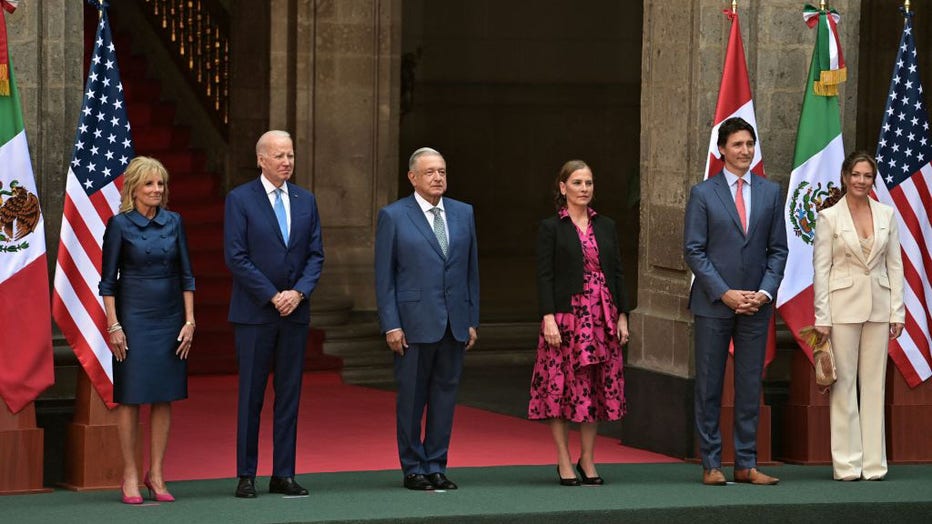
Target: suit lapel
419, 220
880, 229
848, 232
720, 184
265, 209
757, 202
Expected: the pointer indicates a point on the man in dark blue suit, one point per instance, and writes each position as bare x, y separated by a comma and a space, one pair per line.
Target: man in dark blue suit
735, 245
427, 288
272, 246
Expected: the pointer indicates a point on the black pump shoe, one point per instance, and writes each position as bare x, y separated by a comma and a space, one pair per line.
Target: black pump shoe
572, 481
589, 481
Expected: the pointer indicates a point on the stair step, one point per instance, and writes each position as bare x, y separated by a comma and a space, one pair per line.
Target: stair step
211, 212
362, 376
145, 114
194, 189
145, 92
190, 160
159, 138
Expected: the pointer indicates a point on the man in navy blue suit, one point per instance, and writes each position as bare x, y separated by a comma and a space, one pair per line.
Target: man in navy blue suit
272, 246
735, 245
427, 288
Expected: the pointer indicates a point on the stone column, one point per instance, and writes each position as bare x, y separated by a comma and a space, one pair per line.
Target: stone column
335, 84
47, 47
681, 65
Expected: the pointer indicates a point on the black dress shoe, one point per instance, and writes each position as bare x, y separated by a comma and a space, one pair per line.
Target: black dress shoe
418, 482
589, 481
286, 486
440, 481
572, 481
246, 489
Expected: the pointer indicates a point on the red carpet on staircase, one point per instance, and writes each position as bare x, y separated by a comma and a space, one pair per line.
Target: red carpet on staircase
352, 428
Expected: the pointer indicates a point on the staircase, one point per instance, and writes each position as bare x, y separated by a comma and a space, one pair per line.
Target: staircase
198, 195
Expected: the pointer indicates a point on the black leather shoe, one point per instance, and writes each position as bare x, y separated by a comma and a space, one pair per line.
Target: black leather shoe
572, 481
589, 481
246, 489
418, 482
440, 481
286, 486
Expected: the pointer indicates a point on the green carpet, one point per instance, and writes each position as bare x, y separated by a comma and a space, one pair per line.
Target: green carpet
633, 493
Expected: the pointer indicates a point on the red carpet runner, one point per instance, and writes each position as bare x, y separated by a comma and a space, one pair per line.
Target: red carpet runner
351, 428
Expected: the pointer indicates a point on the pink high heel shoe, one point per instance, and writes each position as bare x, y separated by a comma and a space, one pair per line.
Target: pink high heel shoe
155, 495
129, 500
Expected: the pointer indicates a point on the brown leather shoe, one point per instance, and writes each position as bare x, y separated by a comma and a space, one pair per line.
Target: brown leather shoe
713, 477
753, 476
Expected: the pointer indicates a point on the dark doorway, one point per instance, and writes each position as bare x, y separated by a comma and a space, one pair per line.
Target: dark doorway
509, 91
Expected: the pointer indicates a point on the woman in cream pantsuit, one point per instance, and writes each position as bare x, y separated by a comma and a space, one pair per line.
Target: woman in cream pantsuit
858, 286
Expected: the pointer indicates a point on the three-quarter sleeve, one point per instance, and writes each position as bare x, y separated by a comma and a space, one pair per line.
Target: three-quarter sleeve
184, 258
110, 259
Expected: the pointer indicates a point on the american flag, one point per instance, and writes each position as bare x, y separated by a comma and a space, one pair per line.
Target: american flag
903, 155
103, 146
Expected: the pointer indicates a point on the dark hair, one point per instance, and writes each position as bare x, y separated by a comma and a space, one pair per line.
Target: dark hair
732, 126
568, 169
847, 166
853, 159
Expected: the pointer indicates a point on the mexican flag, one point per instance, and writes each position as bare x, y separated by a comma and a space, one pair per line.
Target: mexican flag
26, 344
816, 170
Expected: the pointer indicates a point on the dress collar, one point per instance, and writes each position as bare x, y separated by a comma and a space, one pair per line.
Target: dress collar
160, 218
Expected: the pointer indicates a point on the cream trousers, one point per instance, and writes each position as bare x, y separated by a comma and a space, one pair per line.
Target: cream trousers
858, 441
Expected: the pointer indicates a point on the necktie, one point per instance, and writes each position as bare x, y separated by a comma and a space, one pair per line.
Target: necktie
739, 203
280, 214
440, 230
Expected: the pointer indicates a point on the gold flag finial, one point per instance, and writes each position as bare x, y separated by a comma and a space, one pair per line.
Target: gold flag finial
906, 6
734, 6
823, 5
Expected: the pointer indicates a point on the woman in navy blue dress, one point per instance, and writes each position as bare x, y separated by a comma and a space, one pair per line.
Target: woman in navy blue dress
148, 293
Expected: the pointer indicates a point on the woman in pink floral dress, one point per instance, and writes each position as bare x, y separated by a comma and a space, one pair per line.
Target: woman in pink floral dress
578, 373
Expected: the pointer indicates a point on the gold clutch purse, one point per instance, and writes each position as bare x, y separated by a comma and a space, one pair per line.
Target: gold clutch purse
822, 357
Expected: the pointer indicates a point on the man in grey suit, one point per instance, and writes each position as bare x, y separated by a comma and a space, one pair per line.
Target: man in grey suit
735, 245
427, 288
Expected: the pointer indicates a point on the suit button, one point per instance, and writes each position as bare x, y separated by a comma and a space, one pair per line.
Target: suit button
867, 272
848, 255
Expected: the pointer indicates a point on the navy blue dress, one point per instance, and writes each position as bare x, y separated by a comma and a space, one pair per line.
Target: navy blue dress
146, 268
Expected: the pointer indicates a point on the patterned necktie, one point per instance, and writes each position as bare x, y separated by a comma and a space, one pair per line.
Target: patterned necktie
280, 214
739, 203
440, 230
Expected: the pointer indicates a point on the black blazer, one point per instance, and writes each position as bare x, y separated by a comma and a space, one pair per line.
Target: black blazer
560, 263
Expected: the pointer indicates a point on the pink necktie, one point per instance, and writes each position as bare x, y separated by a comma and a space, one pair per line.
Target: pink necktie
739, 203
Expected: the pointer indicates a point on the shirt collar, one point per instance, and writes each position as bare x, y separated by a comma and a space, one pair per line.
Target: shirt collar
137, 218
732, 178
427, 206
269, 186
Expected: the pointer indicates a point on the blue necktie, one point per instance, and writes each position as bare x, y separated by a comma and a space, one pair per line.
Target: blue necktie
440, 230
280, 214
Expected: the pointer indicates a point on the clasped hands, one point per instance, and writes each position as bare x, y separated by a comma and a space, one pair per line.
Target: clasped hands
744, 302
286, 301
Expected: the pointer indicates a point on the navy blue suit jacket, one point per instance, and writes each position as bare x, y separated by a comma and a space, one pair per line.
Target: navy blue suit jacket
261, 263
417, 289
721, 255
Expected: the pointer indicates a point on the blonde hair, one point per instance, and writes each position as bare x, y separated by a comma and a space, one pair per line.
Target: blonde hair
136, 174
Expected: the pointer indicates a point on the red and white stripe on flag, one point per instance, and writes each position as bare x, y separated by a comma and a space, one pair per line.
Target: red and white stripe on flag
904, 151
76, 305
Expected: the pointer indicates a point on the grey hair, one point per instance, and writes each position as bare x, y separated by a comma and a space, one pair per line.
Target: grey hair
269, 134
419, 153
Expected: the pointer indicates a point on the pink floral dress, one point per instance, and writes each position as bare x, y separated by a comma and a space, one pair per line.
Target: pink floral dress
582, 379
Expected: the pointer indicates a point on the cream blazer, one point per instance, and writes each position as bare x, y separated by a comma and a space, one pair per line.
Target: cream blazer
848, 287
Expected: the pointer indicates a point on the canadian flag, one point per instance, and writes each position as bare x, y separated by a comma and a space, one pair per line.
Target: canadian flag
735, 100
